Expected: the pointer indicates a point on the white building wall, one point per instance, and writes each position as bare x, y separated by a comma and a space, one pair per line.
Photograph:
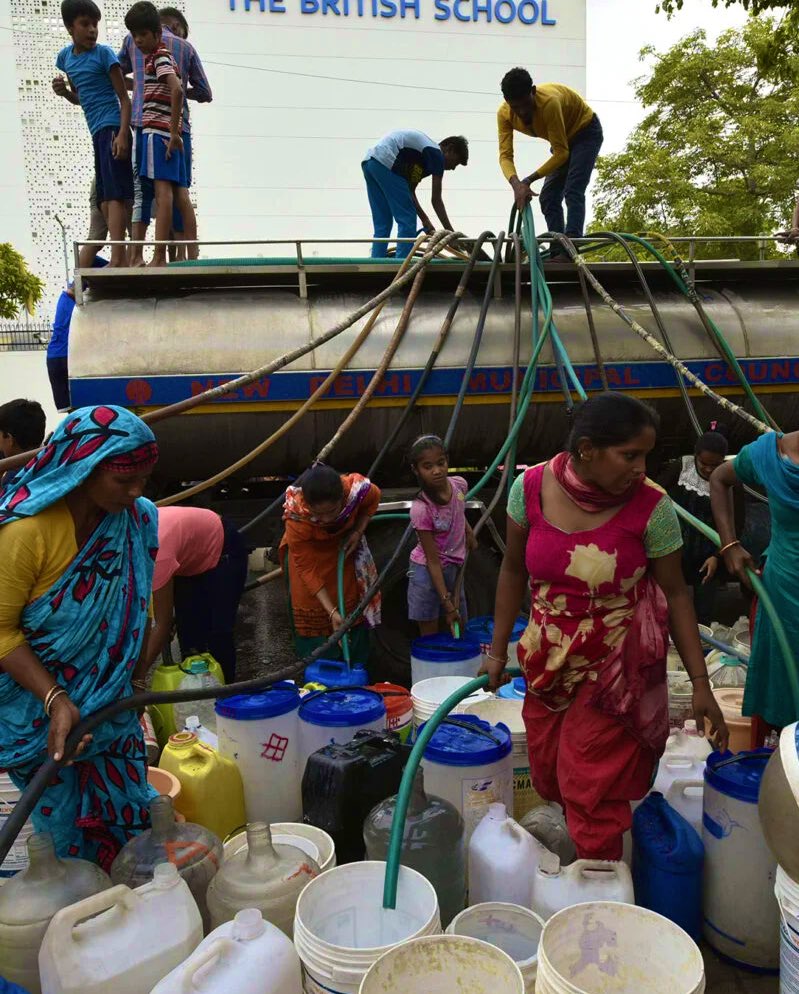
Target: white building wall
298, 98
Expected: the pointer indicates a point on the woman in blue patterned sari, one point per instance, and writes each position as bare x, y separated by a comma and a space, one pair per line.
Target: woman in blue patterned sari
77, 548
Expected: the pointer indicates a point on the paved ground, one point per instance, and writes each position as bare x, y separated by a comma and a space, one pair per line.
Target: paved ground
725, 979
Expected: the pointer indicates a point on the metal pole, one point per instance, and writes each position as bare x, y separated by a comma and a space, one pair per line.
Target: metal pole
64, 246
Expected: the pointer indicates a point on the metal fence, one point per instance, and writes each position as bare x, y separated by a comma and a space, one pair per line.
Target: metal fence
24, 336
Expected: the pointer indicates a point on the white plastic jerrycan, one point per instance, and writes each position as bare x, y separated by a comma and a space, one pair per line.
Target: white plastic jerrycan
245, 956
121, 940
556, 887
503, 859
687, 798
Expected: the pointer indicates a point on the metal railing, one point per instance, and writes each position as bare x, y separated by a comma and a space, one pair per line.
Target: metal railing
22, 336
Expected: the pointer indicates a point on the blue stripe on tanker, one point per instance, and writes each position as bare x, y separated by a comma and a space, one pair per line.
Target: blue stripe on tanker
486, 381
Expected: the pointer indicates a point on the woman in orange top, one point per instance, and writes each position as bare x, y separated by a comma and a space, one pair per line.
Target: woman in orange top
325, 512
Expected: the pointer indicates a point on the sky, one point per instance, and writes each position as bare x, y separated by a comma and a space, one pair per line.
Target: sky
613, 53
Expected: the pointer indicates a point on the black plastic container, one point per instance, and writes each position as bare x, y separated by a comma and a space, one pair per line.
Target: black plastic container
342, 783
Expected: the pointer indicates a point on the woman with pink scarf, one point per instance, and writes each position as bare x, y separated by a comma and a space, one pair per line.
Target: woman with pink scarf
600, 545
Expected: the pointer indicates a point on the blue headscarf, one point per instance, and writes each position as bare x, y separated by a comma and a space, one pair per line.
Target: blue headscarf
778, 474
89, 627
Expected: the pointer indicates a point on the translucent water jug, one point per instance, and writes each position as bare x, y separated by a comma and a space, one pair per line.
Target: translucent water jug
726, 671
198, 676
169, 677
245, 956
196, 852
30, 899
556, 887
503, 859
196, 727
267, 877
122, 941
211, 793
433, 843
687, 741
547, 824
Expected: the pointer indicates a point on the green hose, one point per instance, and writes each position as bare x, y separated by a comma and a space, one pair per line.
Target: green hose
765, 600
394, 856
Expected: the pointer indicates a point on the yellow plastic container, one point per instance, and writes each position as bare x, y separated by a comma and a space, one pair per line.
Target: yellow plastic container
167, 678
211, 792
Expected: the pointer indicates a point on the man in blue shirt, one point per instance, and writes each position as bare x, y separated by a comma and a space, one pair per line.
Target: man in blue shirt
58, 346
195, 87
393, 169
94, 80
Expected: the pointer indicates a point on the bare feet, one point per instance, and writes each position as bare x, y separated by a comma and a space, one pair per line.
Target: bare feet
157, 261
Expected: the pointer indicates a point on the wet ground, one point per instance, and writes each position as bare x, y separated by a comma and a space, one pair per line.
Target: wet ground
722, 978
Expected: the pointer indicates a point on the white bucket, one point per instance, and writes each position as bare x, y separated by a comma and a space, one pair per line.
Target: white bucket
260, 732
513, 929
509, 712
341, 927
428, 696
444, 964
312, 840
17, 858
600, 948
787, 893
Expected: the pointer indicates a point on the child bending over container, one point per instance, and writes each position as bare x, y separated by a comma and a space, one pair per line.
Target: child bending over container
325, 512
438, 514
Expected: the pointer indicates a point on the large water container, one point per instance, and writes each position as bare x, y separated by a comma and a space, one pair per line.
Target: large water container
503, 859
515, 689
687, 799
725, 671
432, 843
482, 629
267, 877
335, 716
428, 696
29, 900
196, 852
617, 949
198, 675
261, 733
443, 655
342, 784
779, 802
336, 673
399, 708
443, 964
731, 702
341, 926
742, 919
121, 940
211, 792
167, 678
17, 858
509, 927
668, 858
470, 764
509, 712
245, 956
556, 887
312, 840
547, 824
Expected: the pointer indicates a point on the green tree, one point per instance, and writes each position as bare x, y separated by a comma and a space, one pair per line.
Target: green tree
18, 286
753, 6
718, 152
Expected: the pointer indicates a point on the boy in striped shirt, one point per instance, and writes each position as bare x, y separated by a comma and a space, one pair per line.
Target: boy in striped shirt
161, 155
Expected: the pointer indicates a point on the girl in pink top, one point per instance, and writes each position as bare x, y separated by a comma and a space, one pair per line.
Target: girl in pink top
199, 577
439, 516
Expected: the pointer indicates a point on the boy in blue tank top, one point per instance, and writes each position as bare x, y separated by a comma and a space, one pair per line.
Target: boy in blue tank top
95, 82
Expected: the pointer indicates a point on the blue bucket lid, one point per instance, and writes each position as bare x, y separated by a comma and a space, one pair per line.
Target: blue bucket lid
482, 628
443, 648
280, 698
340, 708
515, 689
739, 774
468, 741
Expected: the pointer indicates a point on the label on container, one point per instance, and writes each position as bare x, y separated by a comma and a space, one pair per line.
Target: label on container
478, 795
789, 957
525, 796
17, 858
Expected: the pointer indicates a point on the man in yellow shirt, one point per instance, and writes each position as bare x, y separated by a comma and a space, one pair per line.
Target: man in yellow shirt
561, 116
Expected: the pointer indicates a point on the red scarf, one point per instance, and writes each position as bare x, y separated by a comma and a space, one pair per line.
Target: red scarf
587, 496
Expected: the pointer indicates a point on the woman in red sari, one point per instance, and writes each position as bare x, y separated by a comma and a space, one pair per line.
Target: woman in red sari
600, 546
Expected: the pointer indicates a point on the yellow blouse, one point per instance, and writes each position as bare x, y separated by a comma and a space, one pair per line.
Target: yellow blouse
34, 552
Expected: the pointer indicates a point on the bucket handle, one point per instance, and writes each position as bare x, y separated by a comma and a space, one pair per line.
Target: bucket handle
94, 905
201, 958
473, 727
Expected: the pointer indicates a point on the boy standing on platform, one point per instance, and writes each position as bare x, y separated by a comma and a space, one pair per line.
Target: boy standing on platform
160, 155
95, 81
